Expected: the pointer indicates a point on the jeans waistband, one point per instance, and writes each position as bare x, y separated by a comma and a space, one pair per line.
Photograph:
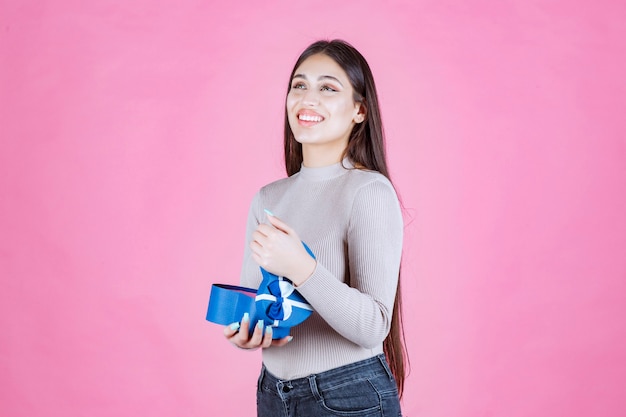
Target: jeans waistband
367, 368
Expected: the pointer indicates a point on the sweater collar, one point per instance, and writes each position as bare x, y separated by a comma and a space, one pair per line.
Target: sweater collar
327, 172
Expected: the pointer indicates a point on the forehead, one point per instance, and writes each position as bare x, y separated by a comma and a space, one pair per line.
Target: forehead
319, 65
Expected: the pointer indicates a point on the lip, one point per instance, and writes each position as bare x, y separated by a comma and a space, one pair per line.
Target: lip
310, 118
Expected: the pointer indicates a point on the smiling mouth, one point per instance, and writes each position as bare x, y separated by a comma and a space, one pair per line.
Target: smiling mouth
310, 118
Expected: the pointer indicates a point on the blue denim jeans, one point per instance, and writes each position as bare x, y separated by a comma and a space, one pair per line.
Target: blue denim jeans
365, 389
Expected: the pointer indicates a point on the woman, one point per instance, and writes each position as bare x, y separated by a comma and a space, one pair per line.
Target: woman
339, 201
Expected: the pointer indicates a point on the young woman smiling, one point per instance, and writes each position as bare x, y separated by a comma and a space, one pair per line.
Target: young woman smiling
347, 359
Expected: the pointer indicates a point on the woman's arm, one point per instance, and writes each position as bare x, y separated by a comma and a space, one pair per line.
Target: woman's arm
361, 311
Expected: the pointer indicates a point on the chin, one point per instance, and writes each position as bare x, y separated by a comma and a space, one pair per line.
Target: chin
305, 139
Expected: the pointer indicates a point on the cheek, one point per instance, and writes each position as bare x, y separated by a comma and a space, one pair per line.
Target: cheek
342, 107
345, 113
291, 102
291, 118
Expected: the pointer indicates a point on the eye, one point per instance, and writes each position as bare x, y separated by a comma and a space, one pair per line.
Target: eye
298, 86
328, 88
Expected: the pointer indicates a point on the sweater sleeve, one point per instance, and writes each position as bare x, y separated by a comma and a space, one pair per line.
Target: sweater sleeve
361, 310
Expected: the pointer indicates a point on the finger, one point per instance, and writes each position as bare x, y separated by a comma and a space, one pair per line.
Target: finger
267, 338
256, 258
241, 338
264, 230
259, 239
256, 248
257, 335
282, 342
230, 330
279, 224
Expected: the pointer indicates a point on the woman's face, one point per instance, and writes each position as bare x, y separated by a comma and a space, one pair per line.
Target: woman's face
320, 105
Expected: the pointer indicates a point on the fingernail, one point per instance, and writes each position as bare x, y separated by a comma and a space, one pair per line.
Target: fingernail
268, 330
259, 324
234, 326
246, 317
269, 213
289, 339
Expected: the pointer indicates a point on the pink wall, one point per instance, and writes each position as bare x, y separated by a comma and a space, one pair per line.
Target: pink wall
133, 135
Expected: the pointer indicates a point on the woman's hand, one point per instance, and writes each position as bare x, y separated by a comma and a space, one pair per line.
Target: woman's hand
277, 248
239, 335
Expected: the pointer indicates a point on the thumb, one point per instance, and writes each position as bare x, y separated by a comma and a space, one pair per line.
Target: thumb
278, 223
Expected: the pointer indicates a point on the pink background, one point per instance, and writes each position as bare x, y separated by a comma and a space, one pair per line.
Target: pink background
134, 134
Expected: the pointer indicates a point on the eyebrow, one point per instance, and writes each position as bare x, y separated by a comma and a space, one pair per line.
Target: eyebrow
321, 77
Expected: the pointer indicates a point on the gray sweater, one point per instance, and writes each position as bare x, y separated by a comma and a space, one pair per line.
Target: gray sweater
351, 220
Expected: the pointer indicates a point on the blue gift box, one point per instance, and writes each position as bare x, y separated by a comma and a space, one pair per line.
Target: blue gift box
277, 303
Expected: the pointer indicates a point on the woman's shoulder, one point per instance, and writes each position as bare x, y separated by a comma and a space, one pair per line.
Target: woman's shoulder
368, 186
278, 186
360, 177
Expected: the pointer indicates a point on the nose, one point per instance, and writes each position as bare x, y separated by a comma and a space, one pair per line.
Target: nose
311, 97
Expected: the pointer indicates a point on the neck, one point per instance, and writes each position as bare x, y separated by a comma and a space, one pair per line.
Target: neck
320, 156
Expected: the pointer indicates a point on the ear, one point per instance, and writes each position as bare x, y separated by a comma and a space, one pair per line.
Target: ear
361, 113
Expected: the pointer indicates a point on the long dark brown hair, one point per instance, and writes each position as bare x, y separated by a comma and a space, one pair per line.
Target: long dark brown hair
366, 149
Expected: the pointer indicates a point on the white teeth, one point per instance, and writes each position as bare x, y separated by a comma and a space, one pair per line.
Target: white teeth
308, 118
